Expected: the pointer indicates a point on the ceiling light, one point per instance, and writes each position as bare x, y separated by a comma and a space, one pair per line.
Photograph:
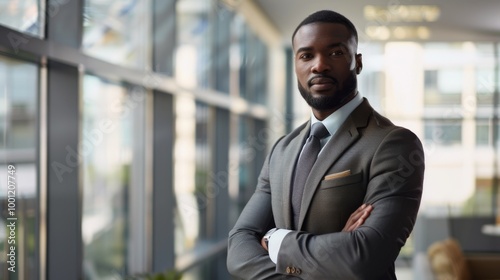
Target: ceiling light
384, 33
402, 13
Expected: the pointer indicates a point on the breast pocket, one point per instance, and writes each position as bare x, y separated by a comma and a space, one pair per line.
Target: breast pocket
334, 201
343, 181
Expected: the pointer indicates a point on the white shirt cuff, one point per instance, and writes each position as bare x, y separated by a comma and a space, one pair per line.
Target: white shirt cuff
275, 243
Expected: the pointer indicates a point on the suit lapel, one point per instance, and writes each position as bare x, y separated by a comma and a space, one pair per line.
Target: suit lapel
346, 136
291, 154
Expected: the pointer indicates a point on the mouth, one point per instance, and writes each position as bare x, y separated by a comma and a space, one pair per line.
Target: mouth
322, 83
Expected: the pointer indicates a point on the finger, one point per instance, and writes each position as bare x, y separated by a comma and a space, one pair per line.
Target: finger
369, 208
358, 211
358, 218
351, 222
356, 224
350, 225
367, 211
363, 212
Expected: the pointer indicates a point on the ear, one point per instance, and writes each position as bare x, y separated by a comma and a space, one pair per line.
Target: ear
359, 63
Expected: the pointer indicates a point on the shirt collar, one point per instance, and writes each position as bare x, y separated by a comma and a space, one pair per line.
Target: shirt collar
335, 120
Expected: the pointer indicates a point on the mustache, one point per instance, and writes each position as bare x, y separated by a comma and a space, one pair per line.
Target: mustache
320, 76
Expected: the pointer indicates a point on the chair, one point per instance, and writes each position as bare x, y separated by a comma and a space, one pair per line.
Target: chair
448, 262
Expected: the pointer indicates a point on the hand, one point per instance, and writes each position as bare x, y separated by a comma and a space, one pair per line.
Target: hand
357, 218
263, 243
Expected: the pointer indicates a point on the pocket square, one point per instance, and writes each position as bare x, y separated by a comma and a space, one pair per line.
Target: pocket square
338, 175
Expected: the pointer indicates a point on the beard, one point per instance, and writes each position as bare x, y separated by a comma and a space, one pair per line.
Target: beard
331, 101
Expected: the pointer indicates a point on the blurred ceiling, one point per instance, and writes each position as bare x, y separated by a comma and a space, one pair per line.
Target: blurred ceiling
397, 20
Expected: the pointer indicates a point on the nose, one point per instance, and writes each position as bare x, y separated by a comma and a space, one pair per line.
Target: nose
320, 64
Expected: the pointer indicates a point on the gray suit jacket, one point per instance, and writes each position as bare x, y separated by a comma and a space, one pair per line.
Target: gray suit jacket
386, 167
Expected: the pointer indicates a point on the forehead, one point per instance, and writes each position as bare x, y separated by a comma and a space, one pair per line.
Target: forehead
312, 34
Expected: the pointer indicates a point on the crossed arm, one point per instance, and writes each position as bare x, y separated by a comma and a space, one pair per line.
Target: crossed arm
366, 248
355, 220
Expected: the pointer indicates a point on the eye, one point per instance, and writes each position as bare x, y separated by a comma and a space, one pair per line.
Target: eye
305, 56
337, 53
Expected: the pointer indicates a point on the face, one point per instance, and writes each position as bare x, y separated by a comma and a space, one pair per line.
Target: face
326, 65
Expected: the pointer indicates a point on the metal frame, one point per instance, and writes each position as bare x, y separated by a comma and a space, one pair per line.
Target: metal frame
34, 49
64, 235
163, 202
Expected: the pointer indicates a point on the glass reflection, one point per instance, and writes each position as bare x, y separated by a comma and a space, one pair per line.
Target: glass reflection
222, 42
194, 218
26, 16
485, 74
18, 148
253, 68
443, 86
107, 143
193, 60
253, 138
118, 31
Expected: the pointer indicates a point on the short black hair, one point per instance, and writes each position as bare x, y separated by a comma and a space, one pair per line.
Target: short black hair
330, 17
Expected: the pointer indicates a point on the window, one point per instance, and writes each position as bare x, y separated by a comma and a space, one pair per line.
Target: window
26, 15
483, 134
195, 204
118, 31
253, 136
105, 128
443, 86
253, 66
18, 154
443, 132
112, 177
193, 55
467, 167
222, 46
485, 85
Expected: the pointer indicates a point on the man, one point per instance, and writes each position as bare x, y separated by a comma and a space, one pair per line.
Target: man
350, 214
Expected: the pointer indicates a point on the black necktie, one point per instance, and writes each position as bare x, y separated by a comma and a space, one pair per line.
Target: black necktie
304, 164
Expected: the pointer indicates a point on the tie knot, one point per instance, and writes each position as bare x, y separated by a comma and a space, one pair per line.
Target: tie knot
319, 130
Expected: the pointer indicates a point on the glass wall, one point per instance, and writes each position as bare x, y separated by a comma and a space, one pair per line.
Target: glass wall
25, 16
215, 50
253, 58
253, 138
224, 19
19, 169
118, 31
194, 217
93, 106
195, 27
112, 176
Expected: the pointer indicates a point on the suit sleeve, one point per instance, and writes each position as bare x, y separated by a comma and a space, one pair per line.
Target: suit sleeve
246, 258
394, 189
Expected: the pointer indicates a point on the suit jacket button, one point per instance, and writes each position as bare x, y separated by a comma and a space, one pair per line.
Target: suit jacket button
292, 271
298, 271
288, 270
